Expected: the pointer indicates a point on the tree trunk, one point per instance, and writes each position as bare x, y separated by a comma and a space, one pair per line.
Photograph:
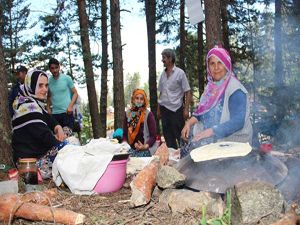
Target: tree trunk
182, 36
88, 65
104, 68
150, 7
69, 57
10, 33
201, 57
118, 82
278, 78
225, 27
212, 22
5, 127
279, 90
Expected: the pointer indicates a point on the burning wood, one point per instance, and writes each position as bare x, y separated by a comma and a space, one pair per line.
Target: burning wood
34, 206
290, 218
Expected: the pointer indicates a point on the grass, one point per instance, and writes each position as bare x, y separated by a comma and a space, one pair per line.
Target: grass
225, 219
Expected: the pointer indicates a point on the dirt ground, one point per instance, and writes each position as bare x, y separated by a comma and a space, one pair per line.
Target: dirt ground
114, 208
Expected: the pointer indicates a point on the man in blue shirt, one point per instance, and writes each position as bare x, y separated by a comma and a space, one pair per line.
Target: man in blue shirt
21, 72
62, 95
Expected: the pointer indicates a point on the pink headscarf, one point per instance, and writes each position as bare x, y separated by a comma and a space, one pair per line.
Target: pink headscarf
212, 92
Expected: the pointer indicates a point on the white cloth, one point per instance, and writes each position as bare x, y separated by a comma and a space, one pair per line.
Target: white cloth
80, 167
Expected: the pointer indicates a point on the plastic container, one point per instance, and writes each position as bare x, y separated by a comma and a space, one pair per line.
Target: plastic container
114, 176
28, 170
266, 147
13, 174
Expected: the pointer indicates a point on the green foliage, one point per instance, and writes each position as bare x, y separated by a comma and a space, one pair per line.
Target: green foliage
14, 22
225, 219
167, 18
242, 15
132, 82
86, 131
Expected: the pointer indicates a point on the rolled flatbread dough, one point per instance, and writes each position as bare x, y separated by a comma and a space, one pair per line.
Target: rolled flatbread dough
220, 150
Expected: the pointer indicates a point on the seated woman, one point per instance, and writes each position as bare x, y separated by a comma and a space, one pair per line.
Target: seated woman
223, 111
36, 134
139, 128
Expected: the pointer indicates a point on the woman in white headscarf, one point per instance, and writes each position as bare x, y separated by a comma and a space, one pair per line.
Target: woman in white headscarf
36, 134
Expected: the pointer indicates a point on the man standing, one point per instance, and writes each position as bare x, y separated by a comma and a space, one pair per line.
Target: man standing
21, 72
174, 88
62, 95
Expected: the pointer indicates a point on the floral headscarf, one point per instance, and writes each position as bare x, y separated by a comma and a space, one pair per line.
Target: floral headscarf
27, 107
213, 92
136, 115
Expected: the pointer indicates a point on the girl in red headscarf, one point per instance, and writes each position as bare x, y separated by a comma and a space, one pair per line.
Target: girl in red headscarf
139, 126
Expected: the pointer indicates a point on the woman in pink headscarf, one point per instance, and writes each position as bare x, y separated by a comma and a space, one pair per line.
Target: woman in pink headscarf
223, 110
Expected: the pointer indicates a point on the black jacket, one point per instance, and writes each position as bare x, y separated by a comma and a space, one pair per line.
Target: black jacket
34, 140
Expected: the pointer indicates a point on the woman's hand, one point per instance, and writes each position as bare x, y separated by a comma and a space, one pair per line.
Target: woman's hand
203, 134
59, 133
139, 146
186, 129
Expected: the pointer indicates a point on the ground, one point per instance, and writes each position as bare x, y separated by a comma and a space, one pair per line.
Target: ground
114, 208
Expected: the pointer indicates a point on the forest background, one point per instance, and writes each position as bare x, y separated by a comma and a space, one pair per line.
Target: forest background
262, 36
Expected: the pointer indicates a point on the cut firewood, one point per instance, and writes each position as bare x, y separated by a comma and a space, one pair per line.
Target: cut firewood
290, 218
39, 197
163, 153
38, 212
143, 184
33, 206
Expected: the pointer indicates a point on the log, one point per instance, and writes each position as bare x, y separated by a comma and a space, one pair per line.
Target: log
290, 218
39, 197
33, 206
143, 184
38, 212
163, 153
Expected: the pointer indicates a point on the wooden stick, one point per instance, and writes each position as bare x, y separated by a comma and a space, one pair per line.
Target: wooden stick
163, 153
143, 184
38, 212
39, 197
290, 218
33, 206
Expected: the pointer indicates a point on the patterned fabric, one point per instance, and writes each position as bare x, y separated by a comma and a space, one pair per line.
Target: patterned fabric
136, 153
45, 163
215, 90
136, 115
68, 131
208, 120
27, 107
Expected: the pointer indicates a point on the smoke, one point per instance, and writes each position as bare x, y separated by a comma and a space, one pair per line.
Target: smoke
276, 96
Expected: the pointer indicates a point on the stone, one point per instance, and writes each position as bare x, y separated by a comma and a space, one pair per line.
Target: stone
182, 200
254, 202
169, 177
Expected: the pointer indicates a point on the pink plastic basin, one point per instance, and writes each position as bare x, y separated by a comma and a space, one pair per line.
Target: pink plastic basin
113, 178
